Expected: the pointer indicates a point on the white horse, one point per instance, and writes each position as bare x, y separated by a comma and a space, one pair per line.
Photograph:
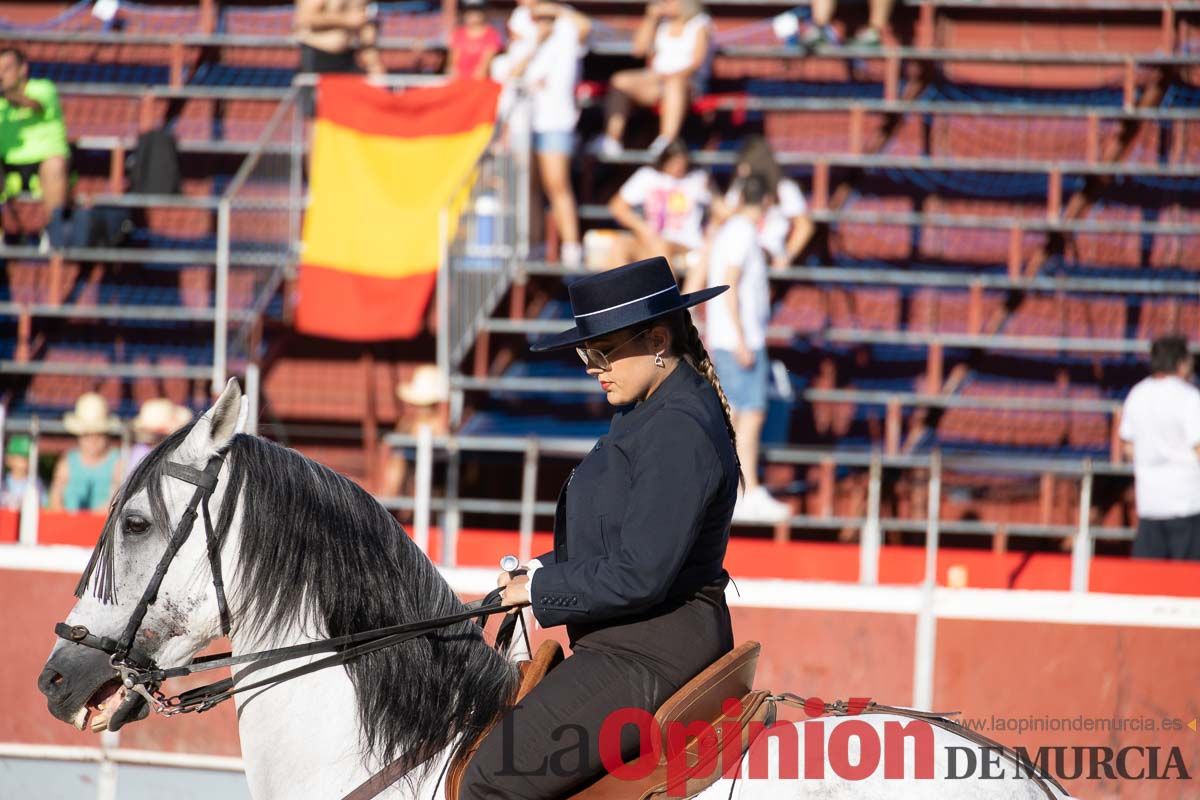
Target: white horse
309, 555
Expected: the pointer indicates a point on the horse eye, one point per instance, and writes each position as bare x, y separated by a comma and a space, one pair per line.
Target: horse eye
136, 524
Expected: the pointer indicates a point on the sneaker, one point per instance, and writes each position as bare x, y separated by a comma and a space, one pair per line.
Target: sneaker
571, 255
759, 506
606, 147
867, 37
658, 145
812, 37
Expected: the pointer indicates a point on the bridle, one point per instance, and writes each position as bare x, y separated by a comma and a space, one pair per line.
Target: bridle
139, 673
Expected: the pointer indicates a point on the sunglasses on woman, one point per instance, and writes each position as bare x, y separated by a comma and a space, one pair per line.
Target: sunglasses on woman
591, 357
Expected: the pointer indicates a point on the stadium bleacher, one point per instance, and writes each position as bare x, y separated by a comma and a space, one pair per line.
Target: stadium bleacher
1019, 184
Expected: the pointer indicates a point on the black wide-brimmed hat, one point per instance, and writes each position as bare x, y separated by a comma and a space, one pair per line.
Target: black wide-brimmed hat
618, 298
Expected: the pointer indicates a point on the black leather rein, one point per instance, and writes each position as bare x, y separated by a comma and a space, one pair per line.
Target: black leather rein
139, 673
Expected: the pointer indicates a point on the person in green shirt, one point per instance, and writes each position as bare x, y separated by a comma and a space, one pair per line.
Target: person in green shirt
33, 136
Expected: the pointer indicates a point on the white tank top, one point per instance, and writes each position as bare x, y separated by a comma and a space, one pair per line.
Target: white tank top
675, 53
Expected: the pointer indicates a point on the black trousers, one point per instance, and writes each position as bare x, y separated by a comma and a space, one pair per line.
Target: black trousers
549, 745
322, 62
1177, 538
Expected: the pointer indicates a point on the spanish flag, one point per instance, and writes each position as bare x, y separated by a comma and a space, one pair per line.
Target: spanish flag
383, 167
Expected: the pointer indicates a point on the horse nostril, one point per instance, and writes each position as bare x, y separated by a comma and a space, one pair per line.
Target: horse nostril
51, 682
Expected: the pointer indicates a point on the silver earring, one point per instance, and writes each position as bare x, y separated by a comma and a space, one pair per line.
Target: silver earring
658, 360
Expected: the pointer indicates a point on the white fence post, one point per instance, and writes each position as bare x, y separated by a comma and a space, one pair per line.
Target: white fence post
1081, 550
422, 485
870, 539
925, 647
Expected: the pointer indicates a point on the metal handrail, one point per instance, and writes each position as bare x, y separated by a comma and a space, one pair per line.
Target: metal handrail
919, 279
853, 396
797, 158
138, 255
1065, 344
593, 211
844, 52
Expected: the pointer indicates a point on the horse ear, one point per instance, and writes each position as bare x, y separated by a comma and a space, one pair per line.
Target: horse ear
214, 430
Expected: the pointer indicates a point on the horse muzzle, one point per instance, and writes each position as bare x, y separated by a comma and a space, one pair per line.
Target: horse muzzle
83, 690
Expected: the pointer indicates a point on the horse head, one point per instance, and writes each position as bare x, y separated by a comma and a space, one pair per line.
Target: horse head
80, 682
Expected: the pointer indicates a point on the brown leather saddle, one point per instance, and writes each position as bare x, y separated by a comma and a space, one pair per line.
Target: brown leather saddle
731, 677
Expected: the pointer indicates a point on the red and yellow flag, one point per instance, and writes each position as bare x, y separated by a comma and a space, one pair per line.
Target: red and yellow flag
383, 167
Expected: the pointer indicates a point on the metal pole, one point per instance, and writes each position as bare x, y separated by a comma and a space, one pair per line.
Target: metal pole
296, 178
925, 646
528, 498
870, 537
422, 483
1081, 550
443, 295
253, 389
524, 176
221, 299
933, 518
31, 501
451, 517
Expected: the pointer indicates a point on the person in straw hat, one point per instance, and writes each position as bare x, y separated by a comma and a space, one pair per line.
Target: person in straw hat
637, 571
84, 478
157, 419
424, 396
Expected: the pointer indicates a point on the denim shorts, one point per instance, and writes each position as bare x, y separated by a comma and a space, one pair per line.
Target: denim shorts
745, 387
554, 142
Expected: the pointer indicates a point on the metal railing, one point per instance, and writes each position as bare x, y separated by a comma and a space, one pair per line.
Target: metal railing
930, 468
263, 203
484, 236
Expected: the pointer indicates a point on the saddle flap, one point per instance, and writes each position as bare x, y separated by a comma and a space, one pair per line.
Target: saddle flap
701, 698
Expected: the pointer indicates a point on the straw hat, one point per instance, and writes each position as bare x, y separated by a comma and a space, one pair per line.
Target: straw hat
90, 416
160, 416
426, 387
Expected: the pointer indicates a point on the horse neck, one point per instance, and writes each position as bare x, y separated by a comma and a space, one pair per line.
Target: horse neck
304, 732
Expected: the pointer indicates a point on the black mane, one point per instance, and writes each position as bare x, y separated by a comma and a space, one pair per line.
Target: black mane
317, 553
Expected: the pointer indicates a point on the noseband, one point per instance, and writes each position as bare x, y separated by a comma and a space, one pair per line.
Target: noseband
140, 674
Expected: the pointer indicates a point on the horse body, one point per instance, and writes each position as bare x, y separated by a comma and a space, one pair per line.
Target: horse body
312, 556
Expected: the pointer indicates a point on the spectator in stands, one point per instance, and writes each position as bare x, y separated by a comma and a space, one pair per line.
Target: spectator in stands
821, 32
33, 136
550, 72
474, 43
785, 228
737, 339
337, 36
676, 38
1160, 429
18, 473
424, 397
673, 199
84, 478
157, 419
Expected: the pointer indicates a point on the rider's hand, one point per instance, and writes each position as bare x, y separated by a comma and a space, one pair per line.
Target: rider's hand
516, 592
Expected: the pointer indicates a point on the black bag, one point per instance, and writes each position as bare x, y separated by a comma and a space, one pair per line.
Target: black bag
155, 164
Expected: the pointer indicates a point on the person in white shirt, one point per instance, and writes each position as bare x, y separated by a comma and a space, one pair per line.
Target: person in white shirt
672, 199
676, 38
1160, 429
737, 340
549, 71
785, 228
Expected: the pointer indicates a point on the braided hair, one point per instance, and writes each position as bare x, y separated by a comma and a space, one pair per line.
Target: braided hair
687, 344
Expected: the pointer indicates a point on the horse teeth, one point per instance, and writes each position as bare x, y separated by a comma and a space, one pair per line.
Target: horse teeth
80, 718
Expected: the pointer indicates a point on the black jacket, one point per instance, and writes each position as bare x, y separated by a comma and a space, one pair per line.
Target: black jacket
642, 524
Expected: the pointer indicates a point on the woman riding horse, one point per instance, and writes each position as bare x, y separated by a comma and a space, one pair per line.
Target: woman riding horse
640, 533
